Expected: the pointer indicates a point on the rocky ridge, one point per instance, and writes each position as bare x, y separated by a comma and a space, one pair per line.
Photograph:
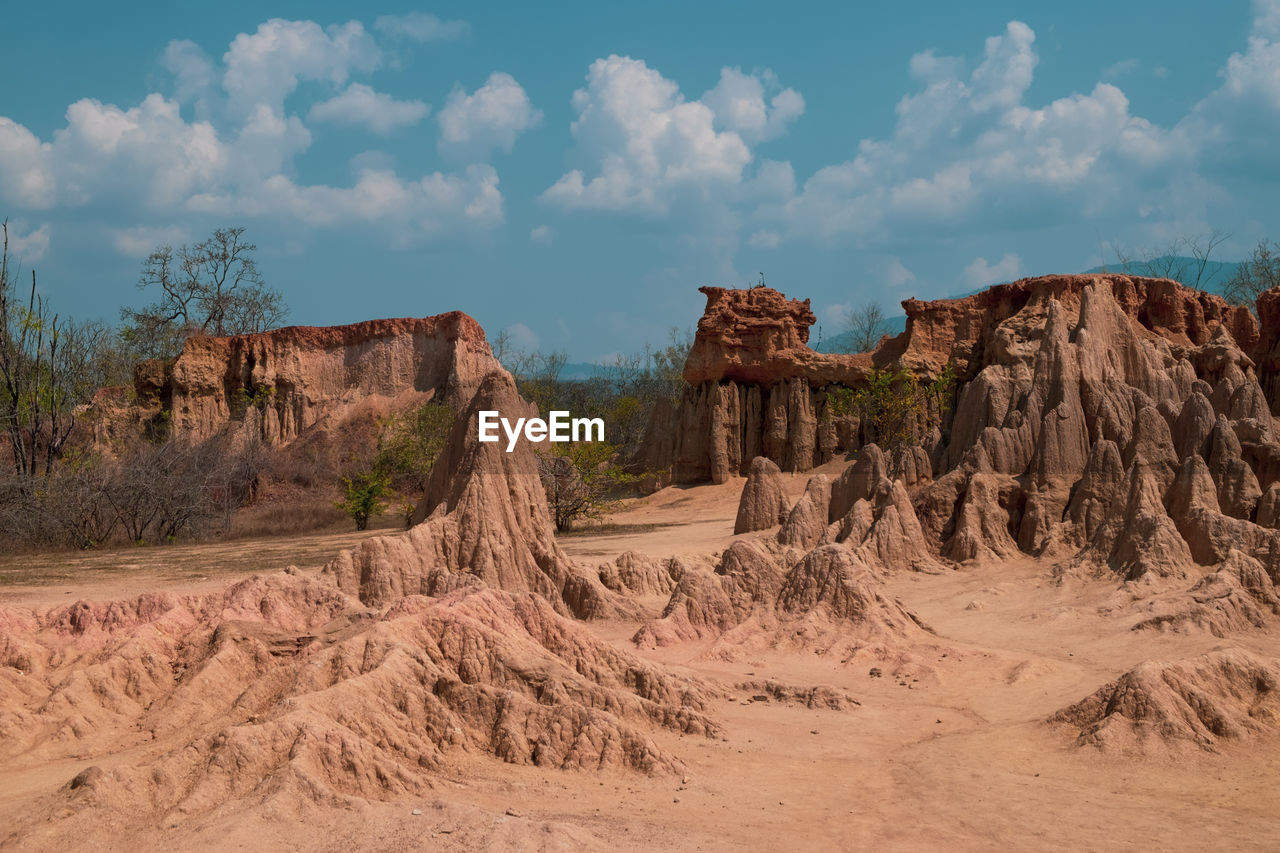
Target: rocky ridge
281, 383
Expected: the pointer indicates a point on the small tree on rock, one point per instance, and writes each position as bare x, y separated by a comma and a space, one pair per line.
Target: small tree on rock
866, 325
1255, 275
211, 288
895, 406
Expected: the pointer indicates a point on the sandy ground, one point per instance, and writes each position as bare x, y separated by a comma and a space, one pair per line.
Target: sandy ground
952, 754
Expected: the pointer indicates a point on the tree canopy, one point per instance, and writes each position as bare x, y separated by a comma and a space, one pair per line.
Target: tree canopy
211, 288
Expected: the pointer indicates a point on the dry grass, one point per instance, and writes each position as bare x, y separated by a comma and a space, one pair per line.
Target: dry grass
611, 529
287, 518
181, 562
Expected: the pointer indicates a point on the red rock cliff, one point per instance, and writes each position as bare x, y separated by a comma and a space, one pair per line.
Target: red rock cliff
757, 389
291, 378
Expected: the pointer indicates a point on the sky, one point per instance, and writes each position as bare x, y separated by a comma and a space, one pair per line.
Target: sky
572, 172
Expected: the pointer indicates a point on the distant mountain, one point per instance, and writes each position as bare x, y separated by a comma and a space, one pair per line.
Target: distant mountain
1213, 278
842, 342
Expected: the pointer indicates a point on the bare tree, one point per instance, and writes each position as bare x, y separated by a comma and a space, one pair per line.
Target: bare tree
45, 370
1186, 260
212, 288
866, 325
1256, 274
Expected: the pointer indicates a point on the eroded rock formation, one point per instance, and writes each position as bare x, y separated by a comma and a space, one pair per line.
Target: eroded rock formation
1116, 426
1224, 695
764, 499
282, 382
483, 521
755, 389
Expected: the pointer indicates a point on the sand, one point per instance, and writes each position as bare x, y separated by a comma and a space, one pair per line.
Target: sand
948, 748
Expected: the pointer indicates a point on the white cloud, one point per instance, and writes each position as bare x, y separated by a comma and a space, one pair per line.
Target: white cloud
764, 240
1120, 68
980, 273
1006, 70
967, 153
144, 239
898, 275
266, 66
359, 104
146, 152
26, 249
1247, 104
472, 126
646, 144
239, 155
836, 316
191, 68
543, 234
436, 205
522, 337
26, 176
739, 104
1266, 20
420, 27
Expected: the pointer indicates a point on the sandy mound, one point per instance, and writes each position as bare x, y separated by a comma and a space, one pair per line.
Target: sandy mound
1228, 694
406, 654
830, 600
282, 686
484, 521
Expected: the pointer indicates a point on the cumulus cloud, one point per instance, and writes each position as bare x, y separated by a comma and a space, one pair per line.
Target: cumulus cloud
26, 178
141, 240
968, 152
28, 248
192, 70
432, 206
473, 125
647, 146
522, 338
360, 105
980, 273
264, 67
420, 27
898, 275
740, 105
238, 155
1236, 124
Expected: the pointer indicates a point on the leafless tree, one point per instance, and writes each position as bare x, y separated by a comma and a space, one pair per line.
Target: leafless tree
1186, 260
212, 288
866, 325
45, 370
1256, 274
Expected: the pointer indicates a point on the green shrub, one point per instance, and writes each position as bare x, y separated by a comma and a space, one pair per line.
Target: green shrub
894, 406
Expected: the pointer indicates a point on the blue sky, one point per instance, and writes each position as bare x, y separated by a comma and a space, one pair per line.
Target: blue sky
574, 173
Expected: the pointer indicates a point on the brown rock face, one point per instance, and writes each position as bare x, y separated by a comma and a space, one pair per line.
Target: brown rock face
280, 689
1229, 694
764, 500
1116, 425
282, 382
757, 389
757, 337
483, 521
